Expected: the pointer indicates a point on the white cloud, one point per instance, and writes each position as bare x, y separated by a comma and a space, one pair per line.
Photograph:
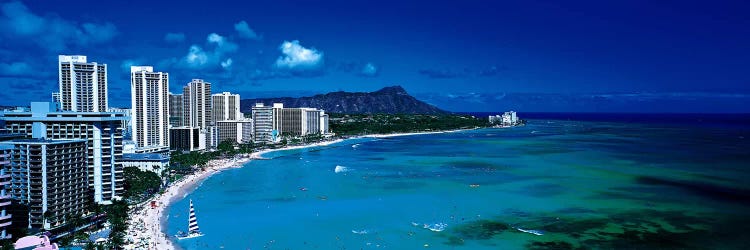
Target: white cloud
196, 57
369, 70
15, 69
227, 63
297, 58
222, 44
174, 37
215, 54
245, 31
50, 32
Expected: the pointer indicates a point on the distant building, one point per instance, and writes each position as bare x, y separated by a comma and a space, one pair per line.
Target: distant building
101, 130
236, 131
50, 177
263, 124
152, 162
150, 107
175, 110
496, 119
296, 121
226, 107
506, 119
187, 139
127, 126
83, 85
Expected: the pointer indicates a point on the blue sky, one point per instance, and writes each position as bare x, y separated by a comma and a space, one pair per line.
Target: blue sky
608, 56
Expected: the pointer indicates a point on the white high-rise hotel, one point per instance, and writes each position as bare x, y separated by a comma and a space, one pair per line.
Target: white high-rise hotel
226, 107
83, 85
150, 106
197, 109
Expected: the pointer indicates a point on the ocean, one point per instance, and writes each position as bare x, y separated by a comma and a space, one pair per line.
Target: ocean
572, 182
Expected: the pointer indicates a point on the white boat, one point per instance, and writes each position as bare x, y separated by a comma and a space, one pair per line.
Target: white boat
193, 230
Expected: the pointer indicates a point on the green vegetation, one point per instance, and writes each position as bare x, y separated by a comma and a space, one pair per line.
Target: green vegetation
139, 185
359, 124
117, 215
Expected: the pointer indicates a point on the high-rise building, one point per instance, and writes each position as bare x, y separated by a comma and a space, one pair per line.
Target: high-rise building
102, 132
186, 139
5, 216
273, 122
226, 107
312, 120
239, 131
323, 123
83, 85
48, 176
175, 110
56, 97
262, 123
127, 126
299, 121
196, 100
150, 106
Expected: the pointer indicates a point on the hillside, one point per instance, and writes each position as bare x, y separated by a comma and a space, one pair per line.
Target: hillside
389, 100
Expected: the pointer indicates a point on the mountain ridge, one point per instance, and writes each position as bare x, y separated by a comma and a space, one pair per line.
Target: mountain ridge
388, 100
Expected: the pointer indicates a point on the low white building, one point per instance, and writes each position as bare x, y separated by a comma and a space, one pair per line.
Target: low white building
153, 162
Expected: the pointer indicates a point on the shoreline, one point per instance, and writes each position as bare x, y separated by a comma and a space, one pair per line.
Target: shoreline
147, 226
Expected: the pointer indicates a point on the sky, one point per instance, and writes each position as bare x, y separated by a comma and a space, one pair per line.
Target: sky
556, 56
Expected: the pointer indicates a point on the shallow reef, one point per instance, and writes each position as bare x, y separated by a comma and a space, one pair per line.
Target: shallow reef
633, 229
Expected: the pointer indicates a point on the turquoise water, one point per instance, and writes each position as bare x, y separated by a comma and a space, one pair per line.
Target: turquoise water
580, 184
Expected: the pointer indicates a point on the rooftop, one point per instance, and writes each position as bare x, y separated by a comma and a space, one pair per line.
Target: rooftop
144, 157
39, 141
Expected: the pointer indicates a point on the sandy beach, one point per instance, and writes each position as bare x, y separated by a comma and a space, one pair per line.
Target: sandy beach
145, 227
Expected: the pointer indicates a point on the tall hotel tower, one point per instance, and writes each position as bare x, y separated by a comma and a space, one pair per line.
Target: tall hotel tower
197, 109
226, 107
83, 85
150, 106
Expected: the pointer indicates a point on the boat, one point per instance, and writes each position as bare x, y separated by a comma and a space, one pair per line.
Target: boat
193, 230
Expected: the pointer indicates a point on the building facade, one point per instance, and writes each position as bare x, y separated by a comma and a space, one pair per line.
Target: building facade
262, 123
186, 139
226, 107
102, 132
150, 107
82, 85
323, 123
196, 99
152, 162
236, 131
5, 198
175, 110
50, 177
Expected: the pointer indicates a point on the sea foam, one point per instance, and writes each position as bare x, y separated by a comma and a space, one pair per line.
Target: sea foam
435, 227
340, 169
